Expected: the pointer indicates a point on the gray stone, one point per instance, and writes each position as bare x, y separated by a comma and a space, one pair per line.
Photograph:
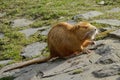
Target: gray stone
107, 46
107, 28
104, 50
107, 71
118, 78
115, 34
45, 32
67, 66
2, 14
64, 76
31, 31
1, 35
72, 22
108, 59
21, 22
29, 75
87, 15
114, 10
4, 62
80, 67
10, 73
51, 69
112, 22
33, 49
93, 57
109, 51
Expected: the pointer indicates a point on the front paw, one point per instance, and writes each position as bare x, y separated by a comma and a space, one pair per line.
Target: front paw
86, 51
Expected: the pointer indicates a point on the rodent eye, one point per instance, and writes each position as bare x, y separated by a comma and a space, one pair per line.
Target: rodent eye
95, 29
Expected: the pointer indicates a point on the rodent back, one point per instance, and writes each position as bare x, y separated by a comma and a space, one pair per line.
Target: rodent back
62, 40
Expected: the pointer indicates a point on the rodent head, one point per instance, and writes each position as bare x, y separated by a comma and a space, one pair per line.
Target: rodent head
85, 30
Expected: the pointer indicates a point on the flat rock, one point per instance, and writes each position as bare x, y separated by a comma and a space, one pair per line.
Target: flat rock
1, 35
112, 22
115, 34
25, 76
104, 50
108, 59
60, 69
109, 51
107, 28
33, 49
4, 62
114, 10
45, 32
21, 22
80, 67
107, 46
107, 71
118, 78
87, 15
71, 22
31, 31
64, 76
56, 67
67, 65
51, 70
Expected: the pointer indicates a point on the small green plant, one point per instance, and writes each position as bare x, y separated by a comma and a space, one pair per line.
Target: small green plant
103, 34
7, 78
76, 71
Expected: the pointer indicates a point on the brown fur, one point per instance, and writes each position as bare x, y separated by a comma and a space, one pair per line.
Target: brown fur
64, 40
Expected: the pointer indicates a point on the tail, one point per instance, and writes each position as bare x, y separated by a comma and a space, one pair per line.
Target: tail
29, 62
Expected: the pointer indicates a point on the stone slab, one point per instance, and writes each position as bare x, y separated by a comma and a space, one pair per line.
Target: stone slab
31, 31
21, 22
33, 49
87, 15
112, 22
115, 34
114, 10
1, 35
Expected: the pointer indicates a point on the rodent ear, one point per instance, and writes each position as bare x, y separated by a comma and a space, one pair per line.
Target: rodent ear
77, 26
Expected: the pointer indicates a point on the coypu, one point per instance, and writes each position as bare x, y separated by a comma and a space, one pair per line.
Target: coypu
65, 40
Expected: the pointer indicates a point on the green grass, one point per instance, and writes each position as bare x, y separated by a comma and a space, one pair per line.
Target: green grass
43, 12
7, 78
76, 71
